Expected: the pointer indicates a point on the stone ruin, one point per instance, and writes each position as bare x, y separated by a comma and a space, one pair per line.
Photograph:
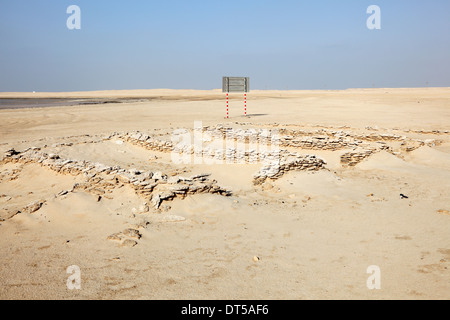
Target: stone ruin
277, 157
101, 179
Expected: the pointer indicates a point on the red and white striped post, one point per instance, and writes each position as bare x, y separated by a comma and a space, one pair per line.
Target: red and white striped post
245, 103
227, 105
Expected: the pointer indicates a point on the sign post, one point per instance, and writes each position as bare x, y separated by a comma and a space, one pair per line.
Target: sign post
236, 84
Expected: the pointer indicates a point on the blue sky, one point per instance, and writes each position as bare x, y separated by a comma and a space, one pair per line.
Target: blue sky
145, 44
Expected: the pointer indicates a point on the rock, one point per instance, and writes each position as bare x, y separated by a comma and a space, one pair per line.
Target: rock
173, 180
6, 213
151, 186
134, 172
136, 136
96, 191
99, 167
166, 207
129, 243
200, 176
132, 233
147, 175
156, 200
34, 206
159, 176
166, 195
11, 153
7, 198
256, 259
115, 237
141, 223
258, 180
179, 189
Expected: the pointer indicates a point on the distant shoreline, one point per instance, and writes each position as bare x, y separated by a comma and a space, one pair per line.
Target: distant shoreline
22, 100
23, 103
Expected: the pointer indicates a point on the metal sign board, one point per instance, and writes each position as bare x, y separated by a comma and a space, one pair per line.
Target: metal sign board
235, 84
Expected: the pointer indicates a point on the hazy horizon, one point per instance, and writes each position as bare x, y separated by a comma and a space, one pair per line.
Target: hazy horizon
219, 89
280, 45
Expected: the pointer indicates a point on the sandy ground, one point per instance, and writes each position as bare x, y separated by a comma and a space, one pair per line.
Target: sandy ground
314, 233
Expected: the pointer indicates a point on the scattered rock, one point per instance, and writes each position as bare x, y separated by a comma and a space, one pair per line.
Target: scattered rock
135, 172
132, 233
156, 200
200, 176
115, 237
143, 223
159, 176
6, 213
63, 193
11, 152
144, 208
6, 197
129, 243
165, 207
173, 180
34, 206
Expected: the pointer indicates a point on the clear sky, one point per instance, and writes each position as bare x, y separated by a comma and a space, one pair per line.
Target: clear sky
191, 44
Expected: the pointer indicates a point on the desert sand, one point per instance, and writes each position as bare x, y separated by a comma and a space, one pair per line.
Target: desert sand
364, 180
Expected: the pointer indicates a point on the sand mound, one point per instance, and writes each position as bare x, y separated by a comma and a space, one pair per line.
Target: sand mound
383, 161
430, 157
26, 186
